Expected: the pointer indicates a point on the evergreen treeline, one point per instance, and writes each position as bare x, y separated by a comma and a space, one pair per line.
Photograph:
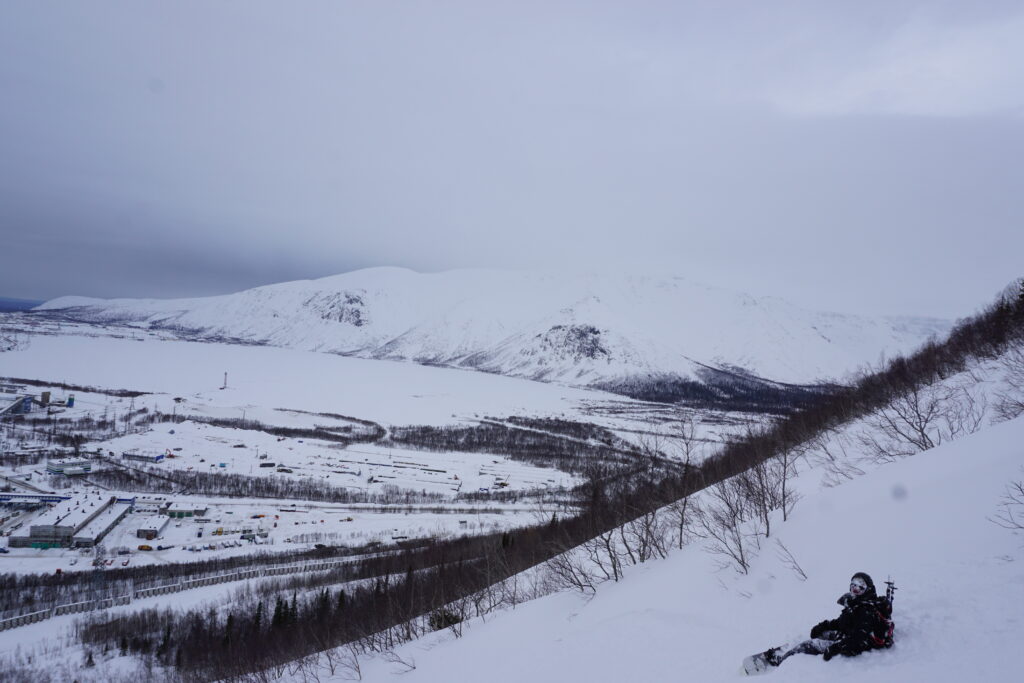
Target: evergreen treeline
152, 480
23, 593
366, 432
123, 393
534, 447
722, 391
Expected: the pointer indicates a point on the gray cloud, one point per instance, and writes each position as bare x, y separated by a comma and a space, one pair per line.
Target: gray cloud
862, 158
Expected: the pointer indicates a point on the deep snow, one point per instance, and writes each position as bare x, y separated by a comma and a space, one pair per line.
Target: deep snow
923, 520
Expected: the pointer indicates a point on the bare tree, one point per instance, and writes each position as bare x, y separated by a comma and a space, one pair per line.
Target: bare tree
760, 487
785, 469
685, 441
828, 450
724, 523
643, 538
571, 569
688, 449
680, 514
920, 419
787, 559
1011, 507
404, 665
350, 662
1010, 398
603, 551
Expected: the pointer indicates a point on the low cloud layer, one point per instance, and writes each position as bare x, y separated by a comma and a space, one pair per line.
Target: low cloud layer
861, 157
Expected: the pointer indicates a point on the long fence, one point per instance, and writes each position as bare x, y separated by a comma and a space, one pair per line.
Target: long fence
186, 584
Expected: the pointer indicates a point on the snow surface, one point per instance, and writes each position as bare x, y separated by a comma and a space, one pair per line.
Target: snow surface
924, 520
261, 379
577, 330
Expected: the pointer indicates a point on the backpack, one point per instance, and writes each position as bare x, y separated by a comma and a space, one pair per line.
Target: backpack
882, 633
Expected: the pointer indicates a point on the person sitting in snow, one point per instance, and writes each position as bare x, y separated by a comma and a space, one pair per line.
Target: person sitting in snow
863, 625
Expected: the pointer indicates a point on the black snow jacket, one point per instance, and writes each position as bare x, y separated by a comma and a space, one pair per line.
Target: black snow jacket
860, 627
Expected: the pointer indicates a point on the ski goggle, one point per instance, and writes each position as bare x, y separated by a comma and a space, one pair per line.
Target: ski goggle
858, 586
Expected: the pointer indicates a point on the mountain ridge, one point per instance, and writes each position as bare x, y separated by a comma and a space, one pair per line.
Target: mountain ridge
597, 331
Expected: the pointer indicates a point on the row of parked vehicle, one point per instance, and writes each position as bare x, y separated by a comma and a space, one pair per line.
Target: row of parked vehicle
214, 546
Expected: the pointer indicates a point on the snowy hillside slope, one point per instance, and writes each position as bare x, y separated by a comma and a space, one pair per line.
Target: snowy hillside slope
923, 520
578, 330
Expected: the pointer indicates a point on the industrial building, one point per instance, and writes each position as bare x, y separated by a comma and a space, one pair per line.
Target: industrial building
14, 404
69, 466
157, 504
100, 525
182, 510
152, 527
79, 522
144, 457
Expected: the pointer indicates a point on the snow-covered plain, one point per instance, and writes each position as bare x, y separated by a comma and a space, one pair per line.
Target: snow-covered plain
262, 379
288, 527
923, 520
290, 388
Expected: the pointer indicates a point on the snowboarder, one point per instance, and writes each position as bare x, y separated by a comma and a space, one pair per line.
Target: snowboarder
864, 624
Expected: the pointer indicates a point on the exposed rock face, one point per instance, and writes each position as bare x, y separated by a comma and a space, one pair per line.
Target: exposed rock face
343, 307
574, 343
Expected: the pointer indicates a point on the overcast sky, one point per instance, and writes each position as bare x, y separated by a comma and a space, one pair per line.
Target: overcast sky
851, 156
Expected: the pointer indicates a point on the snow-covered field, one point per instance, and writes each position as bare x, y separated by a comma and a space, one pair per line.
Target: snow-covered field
301, 389
263, 379
296, 389
361, 467
288, 526
925, 521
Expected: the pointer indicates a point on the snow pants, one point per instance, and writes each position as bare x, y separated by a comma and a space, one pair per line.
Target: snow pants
813, 646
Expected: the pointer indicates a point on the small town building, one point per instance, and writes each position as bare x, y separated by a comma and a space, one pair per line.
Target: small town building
81, 521
152, 527
157, 504
100, 525
144, 457
183, 510
69, 466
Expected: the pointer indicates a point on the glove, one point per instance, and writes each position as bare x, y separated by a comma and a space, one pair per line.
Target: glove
819, 629
831, 652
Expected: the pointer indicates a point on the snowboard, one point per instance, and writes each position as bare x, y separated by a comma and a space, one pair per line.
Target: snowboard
758, 664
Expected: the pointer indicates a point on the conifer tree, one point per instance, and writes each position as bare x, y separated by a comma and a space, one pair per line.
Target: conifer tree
257, 622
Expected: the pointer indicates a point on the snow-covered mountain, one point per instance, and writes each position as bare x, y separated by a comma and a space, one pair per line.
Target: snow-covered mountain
611, 332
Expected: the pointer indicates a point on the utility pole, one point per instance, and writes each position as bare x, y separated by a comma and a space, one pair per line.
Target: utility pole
225, 381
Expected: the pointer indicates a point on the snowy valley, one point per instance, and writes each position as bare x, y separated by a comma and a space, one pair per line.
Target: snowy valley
609, 537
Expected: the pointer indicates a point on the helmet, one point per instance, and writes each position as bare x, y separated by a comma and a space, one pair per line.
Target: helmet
862, 586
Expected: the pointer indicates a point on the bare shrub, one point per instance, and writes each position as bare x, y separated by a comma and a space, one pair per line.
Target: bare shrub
724, 524
786, 557
1011, 507
644, 538
1010, 398
920, 419
572, 569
